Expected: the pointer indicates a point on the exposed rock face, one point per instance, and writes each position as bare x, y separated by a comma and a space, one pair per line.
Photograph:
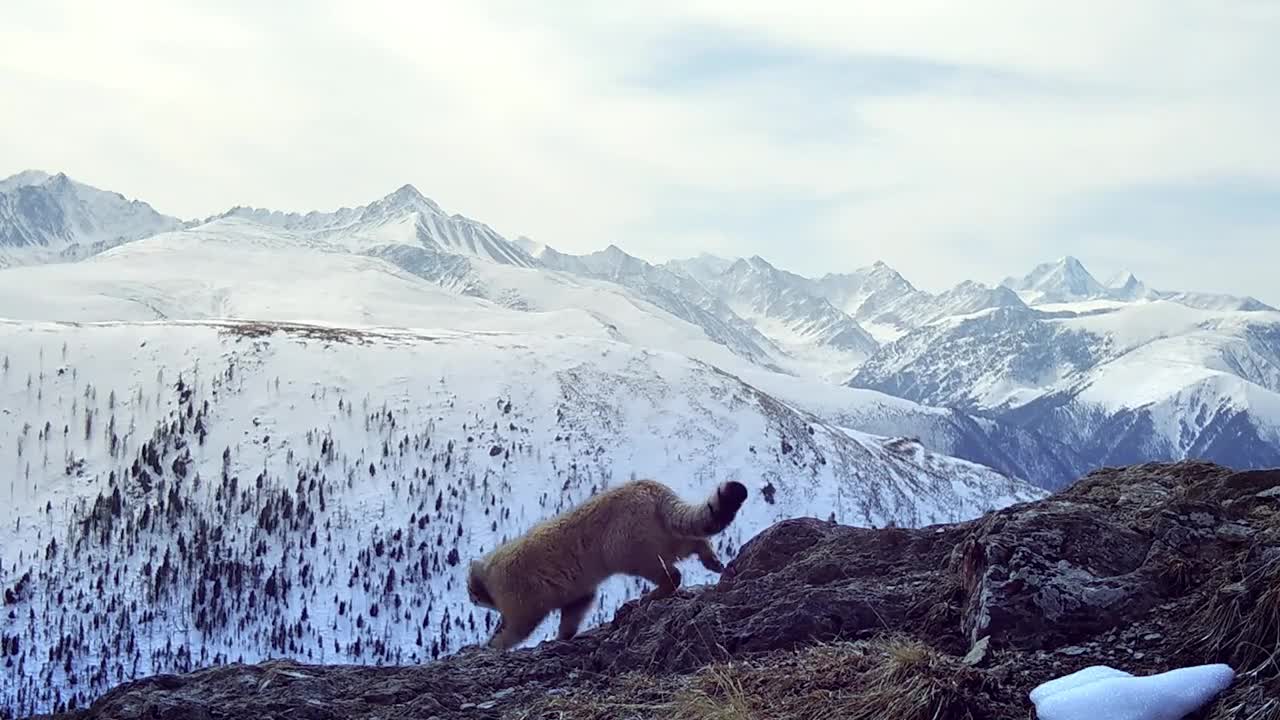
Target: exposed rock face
1144, 568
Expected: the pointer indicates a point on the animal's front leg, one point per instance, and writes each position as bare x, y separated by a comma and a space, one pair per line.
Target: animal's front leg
513, 631
707, 556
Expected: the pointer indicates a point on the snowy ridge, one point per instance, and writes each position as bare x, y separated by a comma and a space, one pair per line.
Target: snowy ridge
48, 218
1067, 281
823, 341
312, 492
403, 217
676, 293
1151, 380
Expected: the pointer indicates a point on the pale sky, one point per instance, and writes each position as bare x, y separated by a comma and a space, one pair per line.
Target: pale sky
953, 140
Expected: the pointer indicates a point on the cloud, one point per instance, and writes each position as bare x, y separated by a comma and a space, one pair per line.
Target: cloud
953, 140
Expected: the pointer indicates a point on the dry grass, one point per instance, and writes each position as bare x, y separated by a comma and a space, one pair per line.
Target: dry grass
892, 677
1270, 522
1241, 622
1179, 574
1254, 701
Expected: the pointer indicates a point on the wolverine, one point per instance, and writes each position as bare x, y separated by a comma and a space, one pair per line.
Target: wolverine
640, 528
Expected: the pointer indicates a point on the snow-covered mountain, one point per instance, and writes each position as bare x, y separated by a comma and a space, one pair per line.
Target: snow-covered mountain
234, 267
1121, 384
876, 296
822, 340
741, 314
1063, 280
47, 218
1066, 281
678, 294
405, 218
1126, 286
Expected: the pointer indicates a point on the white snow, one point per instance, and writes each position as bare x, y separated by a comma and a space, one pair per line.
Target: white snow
1086, 306
1079, 678
1104, 692
1141, 323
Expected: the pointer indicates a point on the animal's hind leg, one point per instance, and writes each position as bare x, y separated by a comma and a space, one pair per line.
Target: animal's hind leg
513, 629
663, 573
572, 614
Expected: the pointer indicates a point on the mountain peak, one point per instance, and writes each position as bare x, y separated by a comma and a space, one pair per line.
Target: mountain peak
1064, 280
532, 247
58, 218
407, 197
24, 178
407, 191
1121, 279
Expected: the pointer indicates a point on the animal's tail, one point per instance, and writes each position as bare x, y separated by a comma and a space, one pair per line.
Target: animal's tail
702, 520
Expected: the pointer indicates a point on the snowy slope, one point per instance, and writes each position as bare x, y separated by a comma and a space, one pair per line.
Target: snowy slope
877, 296
47, 218
677, 293
821, 340
704, 267
188, 493
1124, 383
236, 268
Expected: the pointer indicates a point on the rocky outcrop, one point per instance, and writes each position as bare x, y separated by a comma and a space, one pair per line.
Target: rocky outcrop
1144, 568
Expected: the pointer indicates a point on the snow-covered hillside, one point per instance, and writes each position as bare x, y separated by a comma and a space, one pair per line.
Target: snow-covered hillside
874, 296
47, 218
822, 341
1120, 382
189, 493
676, 293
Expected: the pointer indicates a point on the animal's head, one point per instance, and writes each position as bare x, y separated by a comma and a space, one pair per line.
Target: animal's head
476, 587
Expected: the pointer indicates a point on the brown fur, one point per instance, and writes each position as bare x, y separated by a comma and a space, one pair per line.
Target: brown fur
640, 528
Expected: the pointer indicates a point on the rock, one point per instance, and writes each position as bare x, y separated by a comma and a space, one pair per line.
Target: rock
978, 653
1036, 590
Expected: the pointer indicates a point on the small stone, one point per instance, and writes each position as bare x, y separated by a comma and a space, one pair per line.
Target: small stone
1152, 636
1139, 656
978, 652
1235, 532
1073, 650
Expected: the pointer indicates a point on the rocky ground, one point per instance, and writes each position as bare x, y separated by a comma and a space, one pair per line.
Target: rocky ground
1145, 568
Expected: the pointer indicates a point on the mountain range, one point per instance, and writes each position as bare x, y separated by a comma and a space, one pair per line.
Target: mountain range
1021, 375
327, 406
